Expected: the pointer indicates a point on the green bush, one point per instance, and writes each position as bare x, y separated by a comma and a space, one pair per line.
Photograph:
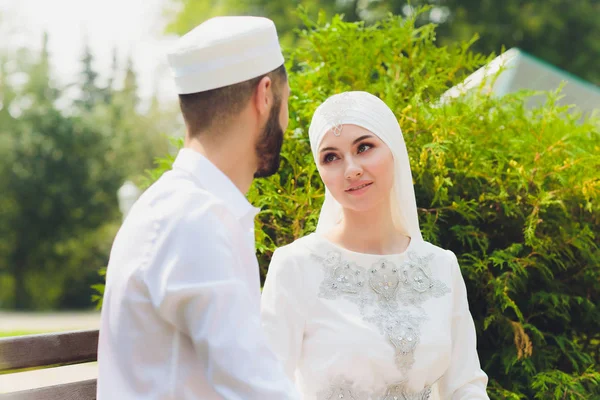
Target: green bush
513, 192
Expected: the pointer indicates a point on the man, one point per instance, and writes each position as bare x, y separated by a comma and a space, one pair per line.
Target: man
180, 317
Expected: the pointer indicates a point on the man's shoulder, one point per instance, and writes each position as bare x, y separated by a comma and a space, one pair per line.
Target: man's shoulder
175, 210
180, 220
176, 197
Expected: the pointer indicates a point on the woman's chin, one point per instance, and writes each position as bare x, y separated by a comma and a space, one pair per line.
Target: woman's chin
361, 205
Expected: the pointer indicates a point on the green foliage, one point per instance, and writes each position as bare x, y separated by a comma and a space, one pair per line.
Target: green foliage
565, 33
61, 169
546, 29
512, 191
91, 94
184, 15
98, 288
59, 188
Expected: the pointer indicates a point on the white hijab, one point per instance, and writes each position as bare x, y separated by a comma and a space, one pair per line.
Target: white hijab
371, 113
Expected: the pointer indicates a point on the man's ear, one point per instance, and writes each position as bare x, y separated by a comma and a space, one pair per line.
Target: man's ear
264, 96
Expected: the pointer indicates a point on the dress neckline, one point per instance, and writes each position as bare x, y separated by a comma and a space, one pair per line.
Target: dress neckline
358, 254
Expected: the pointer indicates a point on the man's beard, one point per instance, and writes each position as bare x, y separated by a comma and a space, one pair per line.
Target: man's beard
268, 146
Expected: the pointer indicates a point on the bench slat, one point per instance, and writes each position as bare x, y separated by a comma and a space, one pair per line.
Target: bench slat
48, 349
84, 390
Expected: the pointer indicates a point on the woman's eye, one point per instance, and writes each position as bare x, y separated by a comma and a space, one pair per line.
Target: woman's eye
364, 147
329, 158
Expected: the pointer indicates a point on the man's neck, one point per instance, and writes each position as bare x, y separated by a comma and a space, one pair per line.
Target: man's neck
229, 156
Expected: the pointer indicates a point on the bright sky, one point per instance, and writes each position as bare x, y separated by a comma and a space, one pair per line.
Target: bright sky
134, 26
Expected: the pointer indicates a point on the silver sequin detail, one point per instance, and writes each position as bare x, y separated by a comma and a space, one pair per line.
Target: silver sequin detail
400, 392
419, 285
345, 389
402, 329
342, 278
380, 293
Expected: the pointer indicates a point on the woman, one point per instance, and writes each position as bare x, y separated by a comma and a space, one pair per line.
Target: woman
364, 308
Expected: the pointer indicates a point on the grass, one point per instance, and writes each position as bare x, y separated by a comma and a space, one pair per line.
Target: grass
4, 334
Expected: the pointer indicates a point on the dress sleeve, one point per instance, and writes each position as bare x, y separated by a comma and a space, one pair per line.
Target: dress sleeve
283, 308
194, 285
464, 379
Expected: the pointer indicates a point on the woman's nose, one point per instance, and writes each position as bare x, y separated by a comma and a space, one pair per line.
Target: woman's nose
353, 170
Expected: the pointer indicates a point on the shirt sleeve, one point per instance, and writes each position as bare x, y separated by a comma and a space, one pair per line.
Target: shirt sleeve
282, 309
193, 285
464, 379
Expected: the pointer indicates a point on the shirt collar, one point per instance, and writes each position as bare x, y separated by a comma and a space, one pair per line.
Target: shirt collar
215, 181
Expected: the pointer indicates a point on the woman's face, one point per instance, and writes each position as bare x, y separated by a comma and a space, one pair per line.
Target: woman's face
357, 167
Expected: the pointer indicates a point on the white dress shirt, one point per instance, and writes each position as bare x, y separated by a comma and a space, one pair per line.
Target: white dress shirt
359, 326
181, 310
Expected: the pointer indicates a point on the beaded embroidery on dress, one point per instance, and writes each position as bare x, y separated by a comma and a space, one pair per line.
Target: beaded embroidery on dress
345, 389
388, 296
342, 388
419, 283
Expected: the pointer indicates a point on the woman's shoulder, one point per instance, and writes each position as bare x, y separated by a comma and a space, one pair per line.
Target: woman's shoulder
293, 266
298, 253
299, 248
423, 248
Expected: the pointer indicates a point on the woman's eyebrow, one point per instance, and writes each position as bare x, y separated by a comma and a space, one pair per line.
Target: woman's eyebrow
354, 142
361, 138
328, 149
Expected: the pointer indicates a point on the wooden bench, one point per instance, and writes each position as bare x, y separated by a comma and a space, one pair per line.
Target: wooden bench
50, 350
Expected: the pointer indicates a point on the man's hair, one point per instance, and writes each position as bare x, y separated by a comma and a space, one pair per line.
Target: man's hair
203, 109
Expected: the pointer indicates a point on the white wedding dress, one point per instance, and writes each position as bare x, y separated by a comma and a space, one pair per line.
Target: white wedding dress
357, 326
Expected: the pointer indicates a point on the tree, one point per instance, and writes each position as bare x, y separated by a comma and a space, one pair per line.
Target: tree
91, 94
61, 169
7, 93
57, 184
565, 33
7, 204
184, 15
40, 86
114, 71
138, 136
61, 186
130, 87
